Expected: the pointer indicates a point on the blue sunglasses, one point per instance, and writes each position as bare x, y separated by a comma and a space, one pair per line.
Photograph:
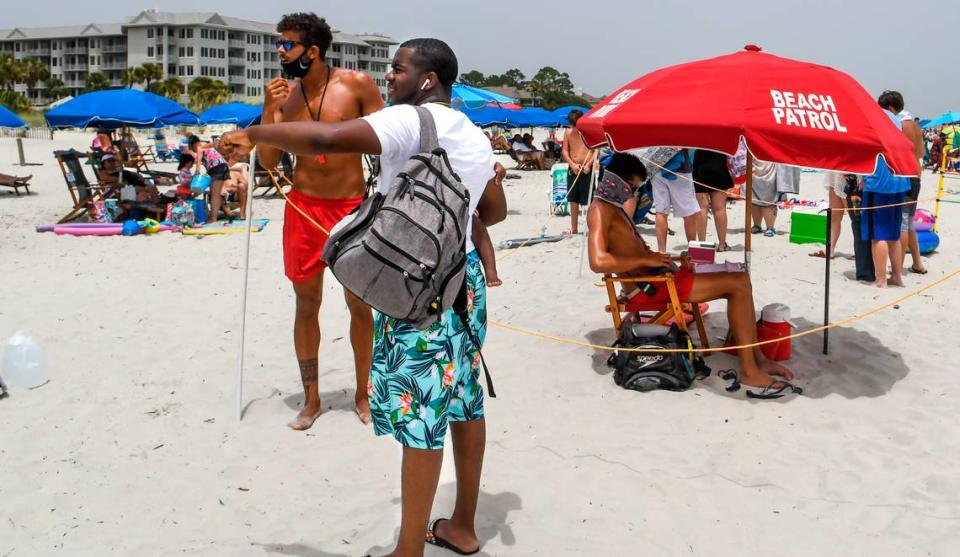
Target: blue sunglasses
286, 44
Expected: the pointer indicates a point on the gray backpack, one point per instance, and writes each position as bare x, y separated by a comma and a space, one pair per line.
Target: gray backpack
403, 253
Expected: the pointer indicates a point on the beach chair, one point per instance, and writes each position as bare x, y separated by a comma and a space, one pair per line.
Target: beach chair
17, 183
82, 191
274, 179
137, 159
163, 150
661, 312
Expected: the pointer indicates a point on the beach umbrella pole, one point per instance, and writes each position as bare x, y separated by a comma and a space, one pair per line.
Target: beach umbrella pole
748, 197
246, 275
594, 176
826, 284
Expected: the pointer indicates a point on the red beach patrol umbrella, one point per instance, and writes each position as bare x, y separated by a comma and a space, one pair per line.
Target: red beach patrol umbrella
789, 112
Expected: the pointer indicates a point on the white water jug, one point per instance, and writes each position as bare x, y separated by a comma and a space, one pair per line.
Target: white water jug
24, 362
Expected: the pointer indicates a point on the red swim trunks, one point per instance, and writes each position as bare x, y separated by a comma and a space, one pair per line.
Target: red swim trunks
303, 242
682, 278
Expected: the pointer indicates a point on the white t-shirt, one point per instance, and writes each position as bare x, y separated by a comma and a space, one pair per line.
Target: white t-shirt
521, 147
468, 149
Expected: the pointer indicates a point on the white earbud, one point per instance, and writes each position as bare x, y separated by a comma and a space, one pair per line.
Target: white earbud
425, 85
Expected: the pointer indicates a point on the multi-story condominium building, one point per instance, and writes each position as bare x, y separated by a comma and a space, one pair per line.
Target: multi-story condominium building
238, 52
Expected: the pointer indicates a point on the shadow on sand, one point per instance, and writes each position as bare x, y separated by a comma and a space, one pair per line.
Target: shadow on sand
858, 365
493, 511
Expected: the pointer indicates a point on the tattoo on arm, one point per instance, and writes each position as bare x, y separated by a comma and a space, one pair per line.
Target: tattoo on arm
308, 370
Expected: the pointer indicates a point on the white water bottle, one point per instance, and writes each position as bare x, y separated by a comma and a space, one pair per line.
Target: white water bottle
24, 362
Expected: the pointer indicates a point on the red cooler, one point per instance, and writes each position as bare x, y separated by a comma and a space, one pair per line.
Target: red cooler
775, 324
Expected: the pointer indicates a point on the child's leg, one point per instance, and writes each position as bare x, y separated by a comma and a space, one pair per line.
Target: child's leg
488, 257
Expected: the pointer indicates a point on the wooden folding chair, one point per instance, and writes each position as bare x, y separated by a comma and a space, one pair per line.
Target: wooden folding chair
663, 312
18, 183
81, 190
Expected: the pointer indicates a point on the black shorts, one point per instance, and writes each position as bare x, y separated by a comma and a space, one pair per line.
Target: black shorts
579, 187
219, 172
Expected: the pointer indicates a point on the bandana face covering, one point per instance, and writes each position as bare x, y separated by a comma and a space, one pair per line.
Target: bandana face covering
613, 189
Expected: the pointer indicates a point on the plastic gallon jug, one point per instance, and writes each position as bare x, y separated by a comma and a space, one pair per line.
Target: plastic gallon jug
24, 362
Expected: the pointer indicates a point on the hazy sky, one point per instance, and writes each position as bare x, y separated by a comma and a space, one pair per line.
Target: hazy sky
603, 44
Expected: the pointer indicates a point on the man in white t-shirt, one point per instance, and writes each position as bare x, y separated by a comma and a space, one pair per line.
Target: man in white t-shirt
435, 385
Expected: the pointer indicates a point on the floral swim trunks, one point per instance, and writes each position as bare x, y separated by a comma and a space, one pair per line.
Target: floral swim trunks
423, 379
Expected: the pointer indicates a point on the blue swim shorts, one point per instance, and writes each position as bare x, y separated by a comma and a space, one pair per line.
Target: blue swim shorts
883, 223
423, 379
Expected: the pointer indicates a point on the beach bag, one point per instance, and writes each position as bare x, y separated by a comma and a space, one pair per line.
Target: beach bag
737, 164
650, 371
181, 214
403, 253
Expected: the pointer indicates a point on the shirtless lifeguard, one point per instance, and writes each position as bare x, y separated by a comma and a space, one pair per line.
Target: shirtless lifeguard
580, 160
615, 247
326, 187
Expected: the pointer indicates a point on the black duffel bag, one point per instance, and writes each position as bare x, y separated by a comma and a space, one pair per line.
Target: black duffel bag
649, 371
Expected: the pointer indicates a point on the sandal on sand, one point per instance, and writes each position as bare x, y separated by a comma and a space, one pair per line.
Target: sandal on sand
918, 271
723, 248
776, 389
821, 254
770, 232
755, 229
435, 540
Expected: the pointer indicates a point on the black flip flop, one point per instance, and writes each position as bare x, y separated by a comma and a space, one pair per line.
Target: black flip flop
770, 392
435, 540
920, 272
776, 389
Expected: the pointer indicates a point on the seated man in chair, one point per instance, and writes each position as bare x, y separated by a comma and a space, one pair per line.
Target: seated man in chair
615, 247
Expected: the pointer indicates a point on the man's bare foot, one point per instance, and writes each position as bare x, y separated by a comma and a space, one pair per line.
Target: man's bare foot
755, 378
493, 280
879, 283
895, 281
362, 409
306, 417
773, 368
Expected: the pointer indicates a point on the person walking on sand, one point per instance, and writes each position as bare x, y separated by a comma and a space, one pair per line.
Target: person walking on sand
410, 402
580, 160
326, 187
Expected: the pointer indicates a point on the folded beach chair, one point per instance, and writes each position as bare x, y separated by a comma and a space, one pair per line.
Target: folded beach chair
661, 312
81, 190
17, 184
163, 150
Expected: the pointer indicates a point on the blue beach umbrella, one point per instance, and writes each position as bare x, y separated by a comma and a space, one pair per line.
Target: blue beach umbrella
563, 112
119, 108
241, 114
475, 97
946, 118
10, 120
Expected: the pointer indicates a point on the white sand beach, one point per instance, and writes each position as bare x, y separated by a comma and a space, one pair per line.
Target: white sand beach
133, 447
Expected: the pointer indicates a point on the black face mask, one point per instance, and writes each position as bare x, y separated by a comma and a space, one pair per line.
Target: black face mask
296, 68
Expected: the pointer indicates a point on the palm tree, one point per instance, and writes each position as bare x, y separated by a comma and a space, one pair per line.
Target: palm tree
131, 76
10, 71
55, 88
171, 88
96, 81
205, 92
14, 101
33, 71
150, 72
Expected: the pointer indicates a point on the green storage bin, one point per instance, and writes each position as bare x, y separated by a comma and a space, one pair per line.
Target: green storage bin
808, 228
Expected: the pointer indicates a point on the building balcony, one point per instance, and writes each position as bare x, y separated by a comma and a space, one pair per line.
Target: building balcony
76, 50
237, 61
235, 79
115, 49
37, 52
113, 66
237, 43
78, 67
74, 83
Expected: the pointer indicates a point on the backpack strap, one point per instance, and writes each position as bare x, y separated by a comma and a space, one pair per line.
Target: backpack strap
428, 131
